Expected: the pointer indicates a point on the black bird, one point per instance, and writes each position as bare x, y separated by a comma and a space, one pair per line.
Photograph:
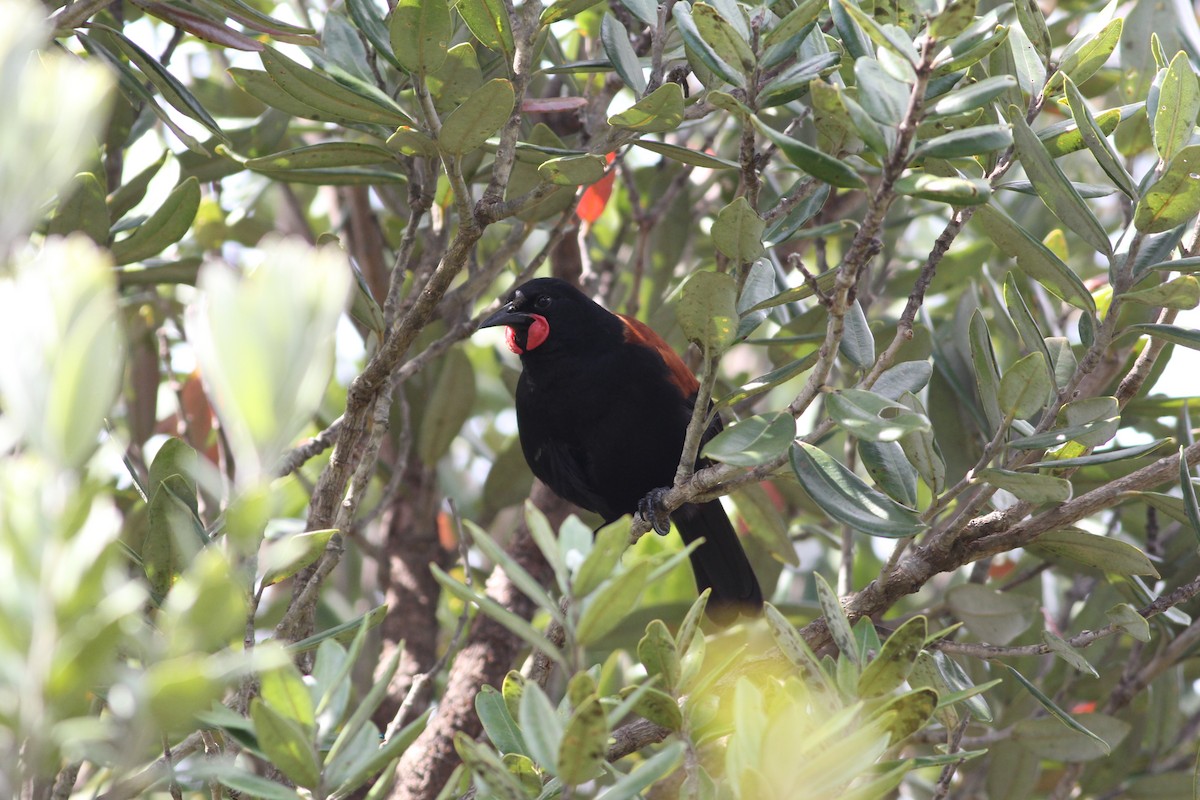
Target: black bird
603, 405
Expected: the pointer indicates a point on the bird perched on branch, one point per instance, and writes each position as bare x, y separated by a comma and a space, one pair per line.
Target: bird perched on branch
603, 406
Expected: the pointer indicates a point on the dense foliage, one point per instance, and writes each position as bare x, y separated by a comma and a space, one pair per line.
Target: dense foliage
266, 527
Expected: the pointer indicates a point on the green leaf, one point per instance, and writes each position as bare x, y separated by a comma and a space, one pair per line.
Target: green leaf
753, 441
737, 231
952, 20
1083, 57
369, 21
657, 652
1097, 142
1188, 265
657, 112
1059, 647
488, 21
166, 226
286, 744
764, 383
449, 404
1025, 387
804, 14
573, 170
1174, 198
707, 310
1100, 552
255, 785
508, 619
542, 726
1044, 733
977, 44
615, 40
871, 416
889, 37
419, 32
611, 603
1065, 137
1182, 292
891, 469
792, 645
412, 142
952, 190
489, 770
895, 660
646, 774
330, 99
905, 377
995, 617
835, 619
480, 115
324, 154
725, 40
1102, 457
565, 9
846, 498
365, 768
584, 743
343, 633
1027, 327
1187, 337
1046, 738
813, 161
283, 690
521, 578
684, 155
987, 374
512, 690
1029, 15
922, 450
1019, 57
1030, 487
969, 142
1178, 104
882, 96
601, 562
974, 95
1052, 185
858, 343
697, 46
654, 705
1088, 434
793, 82
1034, 258
498, 723
645, 10
1127, 618
171, 89
1189, 493
909, 713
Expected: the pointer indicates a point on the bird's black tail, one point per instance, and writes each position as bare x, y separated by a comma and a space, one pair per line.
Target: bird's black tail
720, 562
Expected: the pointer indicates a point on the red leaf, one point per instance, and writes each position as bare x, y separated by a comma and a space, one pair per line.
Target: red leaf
595, 197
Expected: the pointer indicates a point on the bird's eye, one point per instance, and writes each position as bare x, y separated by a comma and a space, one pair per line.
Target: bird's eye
542, 302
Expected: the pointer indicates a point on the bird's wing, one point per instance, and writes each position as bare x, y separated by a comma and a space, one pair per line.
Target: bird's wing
639, 333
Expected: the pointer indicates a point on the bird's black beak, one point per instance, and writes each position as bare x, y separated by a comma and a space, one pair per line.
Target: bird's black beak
509, 316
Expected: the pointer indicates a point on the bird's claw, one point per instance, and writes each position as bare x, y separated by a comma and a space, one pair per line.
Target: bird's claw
651, 509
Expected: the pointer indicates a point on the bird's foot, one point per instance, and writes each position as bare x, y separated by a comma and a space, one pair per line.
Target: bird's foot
651, 509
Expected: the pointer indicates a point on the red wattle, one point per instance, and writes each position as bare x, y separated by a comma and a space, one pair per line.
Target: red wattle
535, 334
539, 331
510, 336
